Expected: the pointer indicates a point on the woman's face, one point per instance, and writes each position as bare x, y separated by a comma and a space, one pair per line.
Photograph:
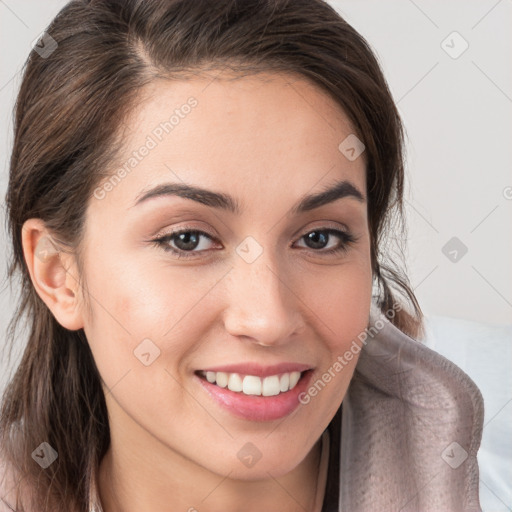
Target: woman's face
256, 292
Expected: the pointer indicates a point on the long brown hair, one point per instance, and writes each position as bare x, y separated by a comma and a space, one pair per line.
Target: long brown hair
69, 109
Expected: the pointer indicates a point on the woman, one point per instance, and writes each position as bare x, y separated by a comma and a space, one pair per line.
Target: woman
198, 197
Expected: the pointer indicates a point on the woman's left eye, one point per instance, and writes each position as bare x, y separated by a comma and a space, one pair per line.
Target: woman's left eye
188, 241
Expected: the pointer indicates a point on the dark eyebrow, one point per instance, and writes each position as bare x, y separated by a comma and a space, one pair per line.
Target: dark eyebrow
213, 199
334, 192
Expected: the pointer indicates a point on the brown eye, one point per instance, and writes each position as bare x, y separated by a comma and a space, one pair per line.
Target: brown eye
185, 241
318, 239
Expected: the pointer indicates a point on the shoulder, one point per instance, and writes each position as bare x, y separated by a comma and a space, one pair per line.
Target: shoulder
8, 488
422, 415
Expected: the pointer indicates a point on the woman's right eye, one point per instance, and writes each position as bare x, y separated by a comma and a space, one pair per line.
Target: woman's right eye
186, 239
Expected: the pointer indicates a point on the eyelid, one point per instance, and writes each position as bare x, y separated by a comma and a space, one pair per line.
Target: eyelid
174, 231
323, 224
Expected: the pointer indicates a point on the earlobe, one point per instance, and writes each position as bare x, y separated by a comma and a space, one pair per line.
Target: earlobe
53, 273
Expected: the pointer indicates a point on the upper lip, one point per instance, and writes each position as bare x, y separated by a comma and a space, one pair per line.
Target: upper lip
259, 370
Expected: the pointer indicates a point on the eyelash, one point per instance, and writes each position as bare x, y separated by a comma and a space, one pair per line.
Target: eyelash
347, 240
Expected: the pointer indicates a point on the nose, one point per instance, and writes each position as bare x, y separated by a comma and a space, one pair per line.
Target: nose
263, 304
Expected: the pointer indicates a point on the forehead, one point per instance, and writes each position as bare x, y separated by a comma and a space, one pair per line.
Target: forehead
272, 135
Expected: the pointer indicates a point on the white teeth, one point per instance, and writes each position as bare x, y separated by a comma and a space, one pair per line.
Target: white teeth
235, 382
221, 379
252, 385
270, 386
285, 382
294, 378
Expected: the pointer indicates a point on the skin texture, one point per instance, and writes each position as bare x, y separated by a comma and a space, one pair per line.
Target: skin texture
267, 140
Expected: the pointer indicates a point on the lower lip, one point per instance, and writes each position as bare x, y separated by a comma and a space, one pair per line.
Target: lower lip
258, 408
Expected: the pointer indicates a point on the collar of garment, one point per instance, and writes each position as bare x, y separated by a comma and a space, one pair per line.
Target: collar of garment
411, 427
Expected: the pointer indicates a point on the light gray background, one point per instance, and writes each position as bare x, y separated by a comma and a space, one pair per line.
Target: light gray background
457, 113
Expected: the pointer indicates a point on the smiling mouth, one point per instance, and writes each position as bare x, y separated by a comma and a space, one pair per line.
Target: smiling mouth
253, 385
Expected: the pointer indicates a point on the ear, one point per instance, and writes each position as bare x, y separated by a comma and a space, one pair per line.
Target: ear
53, 273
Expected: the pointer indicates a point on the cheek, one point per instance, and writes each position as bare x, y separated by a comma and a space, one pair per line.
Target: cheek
341, 303
341, 299
136, 302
